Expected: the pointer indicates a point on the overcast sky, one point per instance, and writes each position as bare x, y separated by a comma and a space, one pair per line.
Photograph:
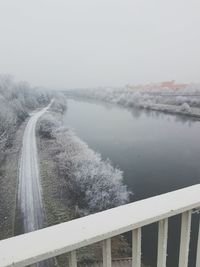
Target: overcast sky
86, 43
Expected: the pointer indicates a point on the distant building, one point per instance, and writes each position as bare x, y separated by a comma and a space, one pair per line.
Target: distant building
173, 85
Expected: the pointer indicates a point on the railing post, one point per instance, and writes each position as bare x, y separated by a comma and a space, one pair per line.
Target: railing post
162, 243
136, 248
198, 249
107, 258
185, 238
72, 259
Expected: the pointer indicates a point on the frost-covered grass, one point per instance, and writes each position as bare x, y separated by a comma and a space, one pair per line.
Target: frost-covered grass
8, 186
16, 100
88, 182
185, 101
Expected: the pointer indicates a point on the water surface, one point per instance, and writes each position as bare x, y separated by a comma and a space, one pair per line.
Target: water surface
157, 152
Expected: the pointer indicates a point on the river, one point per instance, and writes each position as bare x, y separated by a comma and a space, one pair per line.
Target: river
157, 152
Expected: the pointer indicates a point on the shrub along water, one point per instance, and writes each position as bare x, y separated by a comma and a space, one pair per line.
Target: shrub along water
90, 183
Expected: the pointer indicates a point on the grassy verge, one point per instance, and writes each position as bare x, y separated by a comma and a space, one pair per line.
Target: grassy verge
8, 185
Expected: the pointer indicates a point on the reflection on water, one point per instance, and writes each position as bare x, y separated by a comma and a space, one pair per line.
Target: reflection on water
158, 152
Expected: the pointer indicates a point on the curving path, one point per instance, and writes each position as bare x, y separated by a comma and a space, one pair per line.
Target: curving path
29, 192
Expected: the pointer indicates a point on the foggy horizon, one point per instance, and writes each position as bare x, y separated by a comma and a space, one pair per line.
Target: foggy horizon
92, 43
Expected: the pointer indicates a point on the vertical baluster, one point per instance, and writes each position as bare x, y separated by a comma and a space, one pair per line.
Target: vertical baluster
72, 259
198, 250
162, 243
185, 238
136, 248
107, 258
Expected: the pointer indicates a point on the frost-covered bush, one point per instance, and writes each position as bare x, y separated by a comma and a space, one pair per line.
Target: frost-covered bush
185, 108
88, 182
59, 104
181, 100
47, 126
92, 184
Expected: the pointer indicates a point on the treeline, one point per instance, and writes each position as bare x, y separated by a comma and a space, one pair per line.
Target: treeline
182, 101
16, 100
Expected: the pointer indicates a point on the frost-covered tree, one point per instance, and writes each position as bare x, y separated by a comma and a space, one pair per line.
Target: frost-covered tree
16, 99
47, 127
185, 107
90, 183
59, 104
144, 96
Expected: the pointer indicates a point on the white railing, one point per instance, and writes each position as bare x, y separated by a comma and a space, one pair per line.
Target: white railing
68, 237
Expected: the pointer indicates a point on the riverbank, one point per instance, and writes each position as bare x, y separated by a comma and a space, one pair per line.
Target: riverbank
168, 101
184, 110
62, 156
